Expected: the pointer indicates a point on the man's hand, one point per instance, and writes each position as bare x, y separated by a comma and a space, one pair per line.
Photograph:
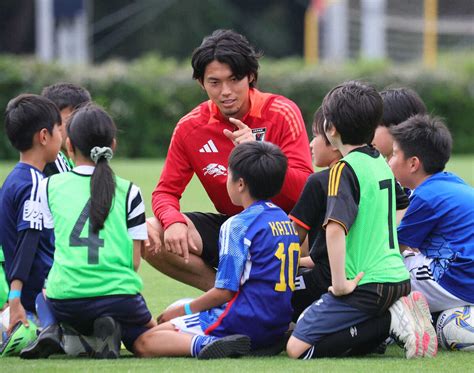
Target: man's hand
347, 287
178, 240
17, 314
153, 244
169, 314
242, 134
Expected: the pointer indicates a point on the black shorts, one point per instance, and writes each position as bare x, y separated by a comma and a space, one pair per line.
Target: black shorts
208, 225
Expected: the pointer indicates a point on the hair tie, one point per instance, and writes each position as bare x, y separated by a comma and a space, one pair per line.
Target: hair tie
104, 152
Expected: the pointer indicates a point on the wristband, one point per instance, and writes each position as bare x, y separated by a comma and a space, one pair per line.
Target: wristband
187, 309
14, 294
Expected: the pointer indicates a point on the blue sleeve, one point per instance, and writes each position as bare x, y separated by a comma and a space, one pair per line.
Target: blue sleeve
28, 214
233, 252
28, 240
417, 224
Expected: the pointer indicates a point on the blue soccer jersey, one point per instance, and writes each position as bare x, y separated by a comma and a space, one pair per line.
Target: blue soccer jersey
440, 223
19, 203
258, 259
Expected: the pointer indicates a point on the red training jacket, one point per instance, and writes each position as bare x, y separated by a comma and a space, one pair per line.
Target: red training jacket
198, 145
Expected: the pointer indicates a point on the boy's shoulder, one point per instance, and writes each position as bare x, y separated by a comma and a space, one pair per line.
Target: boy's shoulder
22, 177
441, 185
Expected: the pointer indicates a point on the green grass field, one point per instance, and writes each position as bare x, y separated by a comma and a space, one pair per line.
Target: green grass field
159, 291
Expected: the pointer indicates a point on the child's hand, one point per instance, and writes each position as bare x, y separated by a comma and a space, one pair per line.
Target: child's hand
153, 244
17, 314
347, 287
169, 314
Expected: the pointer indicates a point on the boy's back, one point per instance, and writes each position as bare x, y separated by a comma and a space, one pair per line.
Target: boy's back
262, 241
439, 222
19, 203
362, 198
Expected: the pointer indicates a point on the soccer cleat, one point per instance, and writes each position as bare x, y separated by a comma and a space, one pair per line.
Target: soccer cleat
421, 310
229, 346
108, 333
47, 343
404, 329
19, 338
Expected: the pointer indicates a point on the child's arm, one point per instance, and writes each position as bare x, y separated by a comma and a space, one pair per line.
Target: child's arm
336, 243
213, 298
137, 251
17, 312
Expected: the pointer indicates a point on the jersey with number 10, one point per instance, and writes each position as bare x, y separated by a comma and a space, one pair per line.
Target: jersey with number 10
87, 264
258, 259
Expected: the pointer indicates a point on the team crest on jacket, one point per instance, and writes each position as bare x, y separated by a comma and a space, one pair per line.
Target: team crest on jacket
215, 169
259, 133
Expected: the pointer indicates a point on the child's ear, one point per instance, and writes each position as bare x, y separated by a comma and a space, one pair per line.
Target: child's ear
69, 148
114, 145
241, 185
43, 136
415, 164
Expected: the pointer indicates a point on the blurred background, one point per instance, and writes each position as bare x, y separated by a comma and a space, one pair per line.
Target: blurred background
133, 55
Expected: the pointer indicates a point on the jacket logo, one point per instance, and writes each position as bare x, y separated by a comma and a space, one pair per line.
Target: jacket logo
215, 169
209, 147
259, 133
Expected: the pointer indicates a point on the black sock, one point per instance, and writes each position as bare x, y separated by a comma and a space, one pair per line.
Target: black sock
359, 339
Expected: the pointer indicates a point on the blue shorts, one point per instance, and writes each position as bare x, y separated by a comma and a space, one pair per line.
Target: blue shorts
328, 315
130, 311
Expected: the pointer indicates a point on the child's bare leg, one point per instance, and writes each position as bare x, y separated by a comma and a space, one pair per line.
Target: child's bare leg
296, 347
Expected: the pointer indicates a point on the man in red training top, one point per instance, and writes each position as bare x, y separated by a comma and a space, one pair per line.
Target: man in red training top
185, 246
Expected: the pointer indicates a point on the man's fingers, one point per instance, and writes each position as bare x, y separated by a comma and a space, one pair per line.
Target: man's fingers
240, 125
229, 134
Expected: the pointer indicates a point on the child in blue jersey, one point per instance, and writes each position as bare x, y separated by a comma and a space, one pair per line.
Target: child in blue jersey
32, 124
439, 223
250, 304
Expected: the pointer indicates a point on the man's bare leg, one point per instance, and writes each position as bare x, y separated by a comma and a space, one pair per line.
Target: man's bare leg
195, 273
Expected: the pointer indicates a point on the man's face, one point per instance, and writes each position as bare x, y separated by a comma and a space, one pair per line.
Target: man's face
229, 94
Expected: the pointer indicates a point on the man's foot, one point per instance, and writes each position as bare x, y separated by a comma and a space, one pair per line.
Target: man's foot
108, 333
19, 338
47, 343
410, 326
230, 346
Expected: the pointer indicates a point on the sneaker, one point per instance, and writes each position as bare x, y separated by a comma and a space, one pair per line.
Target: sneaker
429, 341
230, 346
108, 332
47, 343
411, 326
404, 329
77, 345
19, 338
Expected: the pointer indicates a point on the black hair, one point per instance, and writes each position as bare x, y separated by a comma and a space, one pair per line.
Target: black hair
427, 138
355, 109
262, 165
88, 127
318, 125
399, 104
27, 114
67, 95
229, 47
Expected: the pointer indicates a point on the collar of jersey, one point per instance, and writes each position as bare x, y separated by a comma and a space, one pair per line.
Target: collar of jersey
84, 170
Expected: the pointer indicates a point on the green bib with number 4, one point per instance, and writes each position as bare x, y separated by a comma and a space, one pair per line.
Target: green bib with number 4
87, 264
371, 243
